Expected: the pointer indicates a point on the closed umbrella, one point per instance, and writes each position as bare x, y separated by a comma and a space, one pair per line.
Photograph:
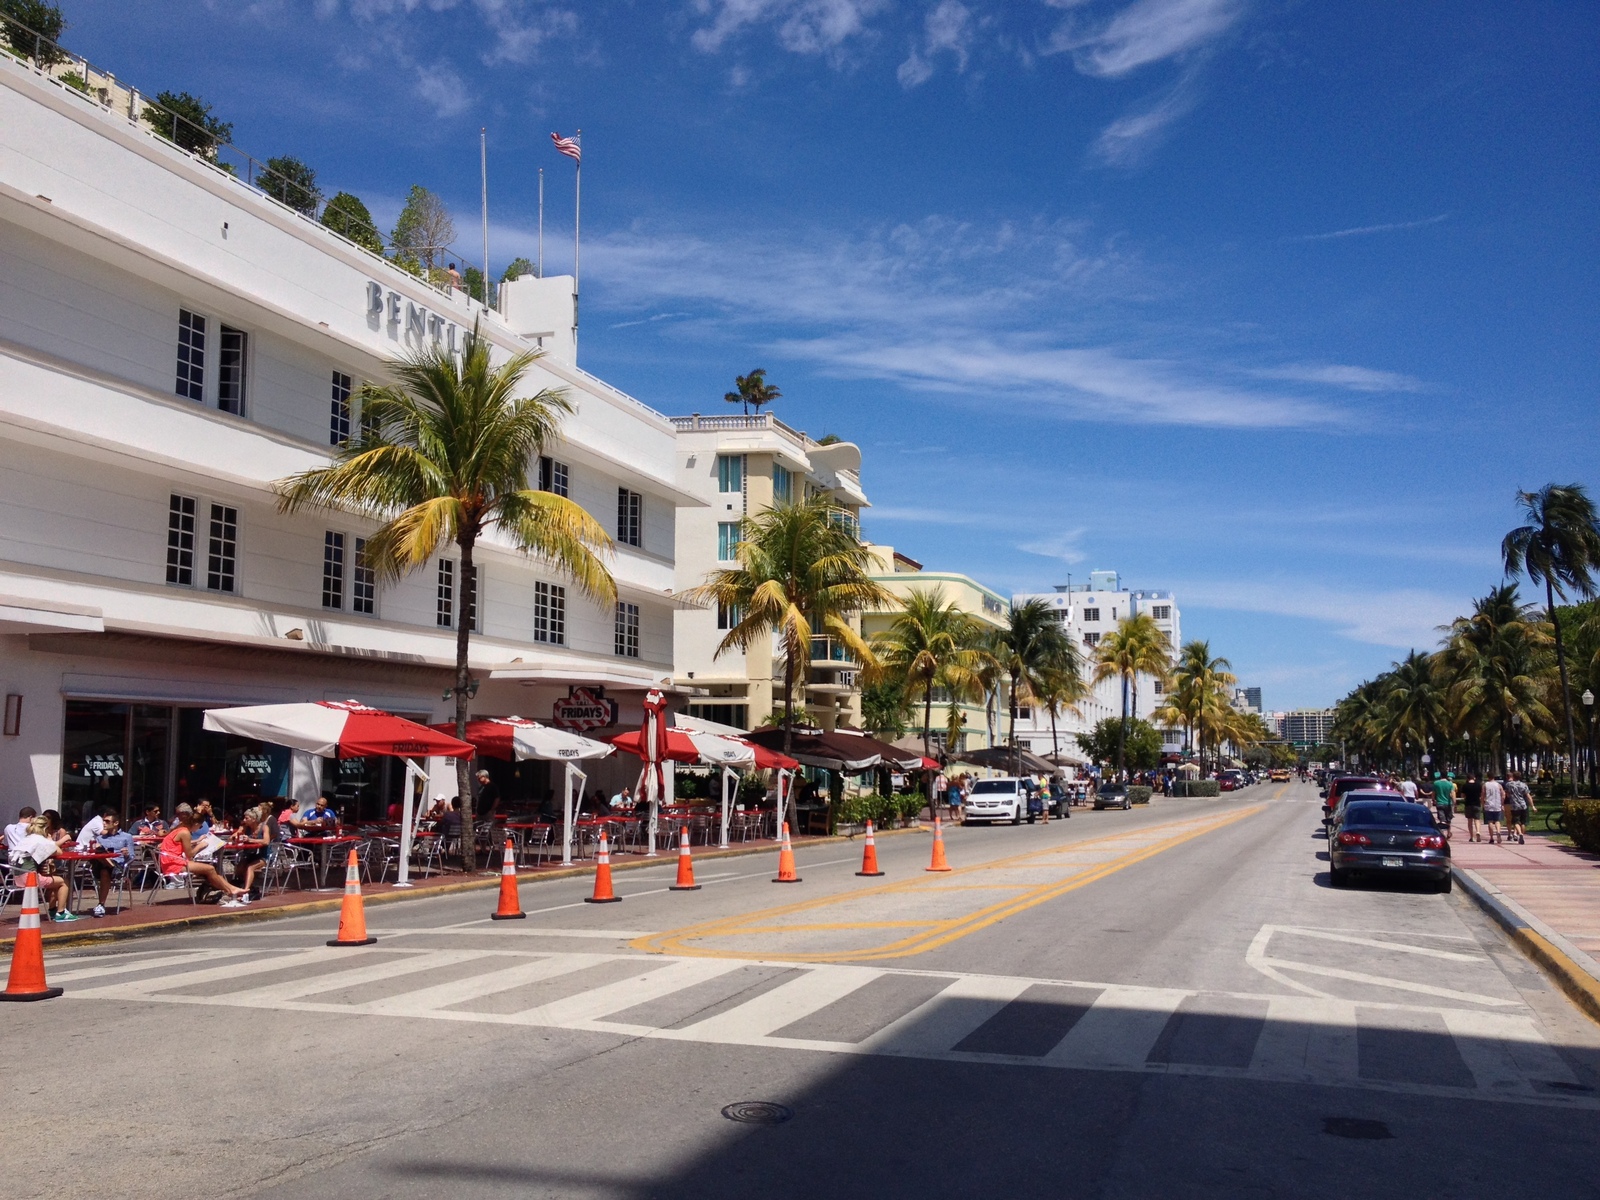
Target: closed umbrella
345, 729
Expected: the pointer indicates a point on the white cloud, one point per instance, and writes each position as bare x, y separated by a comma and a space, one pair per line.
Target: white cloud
1127, 140
947, 29
442, 87
802, 26
1063, 547
1355, 379
1146, 31
1400, 618
1363, 230
520, 30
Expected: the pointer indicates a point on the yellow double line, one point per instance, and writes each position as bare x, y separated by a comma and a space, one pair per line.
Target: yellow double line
934, 933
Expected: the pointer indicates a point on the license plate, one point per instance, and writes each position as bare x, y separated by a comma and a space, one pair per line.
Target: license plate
1393, 862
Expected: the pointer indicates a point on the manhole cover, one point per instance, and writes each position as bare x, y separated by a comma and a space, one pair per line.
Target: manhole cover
757, 1112
1356, 1127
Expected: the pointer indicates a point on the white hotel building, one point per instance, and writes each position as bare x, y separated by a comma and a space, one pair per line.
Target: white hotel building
172, 342
1089, 611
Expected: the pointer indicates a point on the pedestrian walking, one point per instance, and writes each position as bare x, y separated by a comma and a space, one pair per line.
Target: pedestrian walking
1519, 803
1472, 806
1444, 802
1494, 802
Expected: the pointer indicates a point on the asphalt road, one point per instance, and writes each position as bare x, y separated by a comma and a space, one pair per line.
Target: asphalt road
1165, 1002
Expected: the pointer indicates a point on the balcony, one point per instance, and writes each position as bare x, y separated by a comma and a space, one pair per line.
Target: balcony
827, 651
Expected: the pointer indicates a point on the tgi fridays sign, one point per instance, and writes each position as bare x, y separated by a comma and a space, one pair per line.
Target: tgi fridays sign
584, 708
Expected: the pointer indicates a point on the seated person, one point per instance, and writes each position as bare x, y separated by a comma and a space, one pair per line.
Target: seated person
177, 855
55, 831
319, 818
151, 824
623, 800
437, 809
204, 818
19, 830
36, 851
396, 811
91, 830
113, 839
254, 835
449, 824
288, 818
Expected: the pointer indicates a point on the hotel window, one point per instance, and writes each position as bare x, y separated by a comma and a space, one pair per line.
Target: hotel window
180, 540
782, 484
552, 476
1162, 612
231, 371
1160, 688
1091, 639
630, 517
627, 641
730, 473
727, 541
222, 549
444, 605
728, 615
339, 410
363, 582
191, 355
471, 582
332, 570
550, 613
1091, 614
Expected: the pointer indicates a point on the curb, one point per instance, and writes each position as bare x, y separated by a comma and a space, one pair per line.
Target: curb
94, 937
1574, 972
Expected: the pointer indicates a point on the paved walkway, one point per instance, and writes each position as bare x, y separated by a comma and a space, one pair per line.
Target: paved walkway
1557, 884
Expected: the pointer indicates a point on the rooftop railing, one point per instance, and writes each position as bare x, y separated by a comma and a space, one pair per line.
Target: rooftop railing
206, 144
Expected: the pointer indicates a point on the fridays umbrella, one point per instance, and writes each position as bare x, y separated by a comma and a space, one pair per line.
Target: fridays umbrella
344, 729
519, 738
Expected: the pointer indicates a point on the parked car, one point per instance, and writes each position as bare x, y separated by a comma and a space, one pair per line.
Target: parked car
1341, 784
996, 800
1380, 833
1113, 795
1231, 780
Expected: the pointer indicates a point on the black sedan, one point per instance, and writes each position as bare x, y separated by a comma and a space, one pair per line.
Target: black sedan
1380, 834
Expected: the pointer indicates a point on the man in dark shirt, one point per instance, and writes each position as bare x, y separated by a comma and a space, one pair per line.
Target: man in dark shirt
151, 824
488, 797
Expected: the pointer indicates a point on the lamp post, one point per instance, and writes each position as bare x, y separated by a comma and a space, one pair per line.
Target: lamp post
1588, 709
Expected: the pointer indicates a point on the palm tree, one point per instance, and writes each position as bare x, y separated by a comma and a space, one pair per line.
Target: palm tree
802, 570
753, 389
1060, 690
1138, 646
1497, 667
1559, 547
1414, 704
928, 645
1031, 646
443, 457
1201, 681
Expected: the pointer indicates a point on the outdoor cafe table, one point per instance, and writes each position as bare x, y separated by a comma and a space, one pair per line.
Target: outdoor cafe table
77, 856
327, 844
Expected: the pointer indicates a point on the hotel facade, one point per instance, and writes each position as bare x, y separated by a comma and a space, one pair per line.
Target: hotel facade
173, 341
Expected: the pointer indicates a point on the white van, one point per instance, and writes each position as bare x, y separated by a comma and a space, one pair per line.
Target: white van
995, 800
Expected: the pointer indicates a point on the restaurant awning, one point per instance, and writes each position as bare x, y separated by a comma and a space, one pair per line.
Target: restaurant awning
1010, 759
513, 738
894, 756
832, 751
336, 729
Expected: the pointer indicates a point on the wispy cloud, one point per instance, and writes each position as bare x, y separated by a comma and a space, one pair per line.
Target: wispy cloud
912, 515
1363, 230
671, 316
1144, 32
947, 29
1355, 379
1400, 618
1063, 547
802, 26
1128, 140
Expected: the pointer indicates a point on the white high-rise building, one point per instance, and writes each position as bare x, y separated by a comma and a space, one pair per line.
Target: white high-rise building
172, 341
1089, 611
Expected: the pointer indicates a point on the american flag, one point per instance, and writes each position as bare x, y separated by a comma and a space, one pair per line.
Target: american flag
568, 146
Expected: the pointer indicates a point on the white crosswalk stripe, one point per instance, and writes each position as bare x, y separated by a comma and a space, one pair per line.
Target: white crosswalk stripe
1094, 1026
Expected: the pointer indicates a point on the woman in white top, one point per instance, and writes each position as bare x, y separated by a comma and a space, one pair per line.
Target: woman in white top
38, 847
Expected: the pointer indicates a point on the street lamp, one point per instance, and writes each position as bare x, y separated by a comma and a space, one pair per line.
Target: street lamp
1588, 704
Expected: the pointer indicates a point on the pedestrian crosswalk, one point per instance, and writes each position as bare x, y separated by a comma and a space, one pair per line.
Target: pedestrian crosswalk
868, 1010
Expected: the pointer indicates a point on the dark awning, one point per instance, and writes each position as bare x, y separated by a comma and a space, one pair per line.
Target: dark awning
1012, 759
819, 748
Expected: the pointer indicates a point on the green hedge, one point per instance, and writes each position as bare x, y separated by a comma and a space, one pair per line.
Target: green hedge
1581, 819
1139, 794
1199, 788
882, 811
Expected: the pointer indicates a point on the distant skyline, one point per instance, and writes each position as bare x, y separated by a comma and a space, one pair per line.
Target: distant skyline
1272, 304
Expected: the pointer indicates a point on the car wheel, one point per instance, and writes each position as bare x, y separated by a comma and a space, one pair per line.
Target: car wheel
1016, 815
1127, 804
1337, 877
1445, 885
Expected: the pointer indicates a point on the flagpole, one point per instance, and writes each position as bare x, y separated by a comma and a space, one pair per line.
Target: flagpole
540, 269
577, 206
483, 159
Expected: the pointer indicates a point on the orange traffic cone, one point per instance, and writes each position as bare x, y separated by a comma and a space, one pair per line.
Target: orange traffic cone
27, 954
786, 860
686, 881
602, 877
352, 916
938, 863
869, 856
510, 903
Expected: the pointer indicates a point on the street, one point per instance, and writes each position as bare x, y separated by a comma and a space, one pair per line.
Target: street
1164, 1002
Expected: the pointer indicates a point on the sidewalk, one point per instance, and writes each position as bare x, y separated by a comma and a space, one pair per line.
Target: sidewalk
1547, 896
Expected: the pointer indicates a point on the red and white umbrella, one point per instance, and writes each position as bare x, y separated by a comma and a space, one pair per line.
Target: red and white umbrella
345, 729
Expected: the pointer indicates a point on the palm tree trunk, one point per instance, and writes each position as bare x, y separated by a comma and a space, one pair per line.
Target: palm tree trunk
1566, 699
788, 699
1013, 738
1122, 732
927, 720
469, 856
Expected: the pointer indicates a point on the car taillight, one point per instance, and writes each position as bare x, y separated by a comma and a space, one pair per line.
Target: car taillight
1354, 839
1430, 842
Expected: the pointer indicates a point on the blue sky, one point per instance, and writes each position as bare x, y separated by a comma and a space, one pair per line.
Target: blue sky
1272, 303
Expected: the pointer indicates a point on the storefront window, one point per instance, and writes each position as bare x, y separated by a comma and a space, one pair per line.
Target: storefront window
231, 772
94, 759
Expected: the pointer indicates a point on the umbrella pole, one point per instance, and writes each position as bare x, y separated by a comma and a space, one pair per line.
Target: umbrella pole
783, 796
408, 808
728, 775
566, 810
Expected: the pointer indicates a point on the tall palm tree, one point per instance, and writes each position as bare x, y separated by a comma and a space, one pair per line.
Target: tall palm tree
753, 389
443, 457
1031, 646
1138, 646
1201, 681
1060, 690
1559, 547
802, 570
1414, 704
928, 645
